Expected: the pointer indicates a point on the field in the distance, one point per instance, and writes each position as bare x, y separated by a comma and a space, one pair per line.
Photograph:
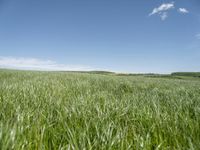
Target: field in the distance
58, 110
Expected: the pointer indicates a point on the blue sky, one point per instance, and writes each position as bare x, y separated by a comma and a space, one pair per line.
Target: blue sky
159, 36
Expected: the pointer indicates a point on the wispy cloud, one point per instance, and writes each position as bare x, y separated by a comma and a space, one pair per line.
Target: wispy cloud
164, 15
198, 36
162, 8
38, 64
183, 10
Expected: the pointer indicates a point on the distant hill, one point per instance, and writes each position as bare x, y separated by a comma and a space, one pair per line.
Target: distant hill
102, 72
190, 74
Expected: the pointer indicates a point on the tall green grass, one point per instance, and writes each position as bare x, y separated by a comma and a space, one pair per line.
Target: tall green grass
57, 110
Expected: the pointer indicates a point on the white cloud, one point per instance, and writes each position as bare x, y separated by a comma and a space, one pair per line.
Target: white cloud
198, 36
183, 10
38, 64
163, 16
162, 8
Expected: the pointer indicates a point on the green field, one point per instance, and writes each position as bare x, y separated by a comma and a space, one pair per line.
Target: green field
63, 110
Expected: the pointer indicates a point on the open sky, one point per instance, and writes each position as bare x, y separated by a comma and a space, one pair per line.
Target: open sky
159, 36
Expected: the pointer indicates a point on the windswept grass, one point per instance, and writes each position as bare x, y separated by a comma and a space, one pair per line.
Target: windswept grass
46, 110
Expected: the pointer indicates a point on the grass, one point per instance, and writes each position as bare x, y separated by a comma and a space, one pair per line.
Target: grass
58, 110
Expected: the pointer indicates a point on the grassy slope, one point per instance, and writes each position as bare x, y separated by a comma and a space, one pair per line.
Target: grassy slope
41, 110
